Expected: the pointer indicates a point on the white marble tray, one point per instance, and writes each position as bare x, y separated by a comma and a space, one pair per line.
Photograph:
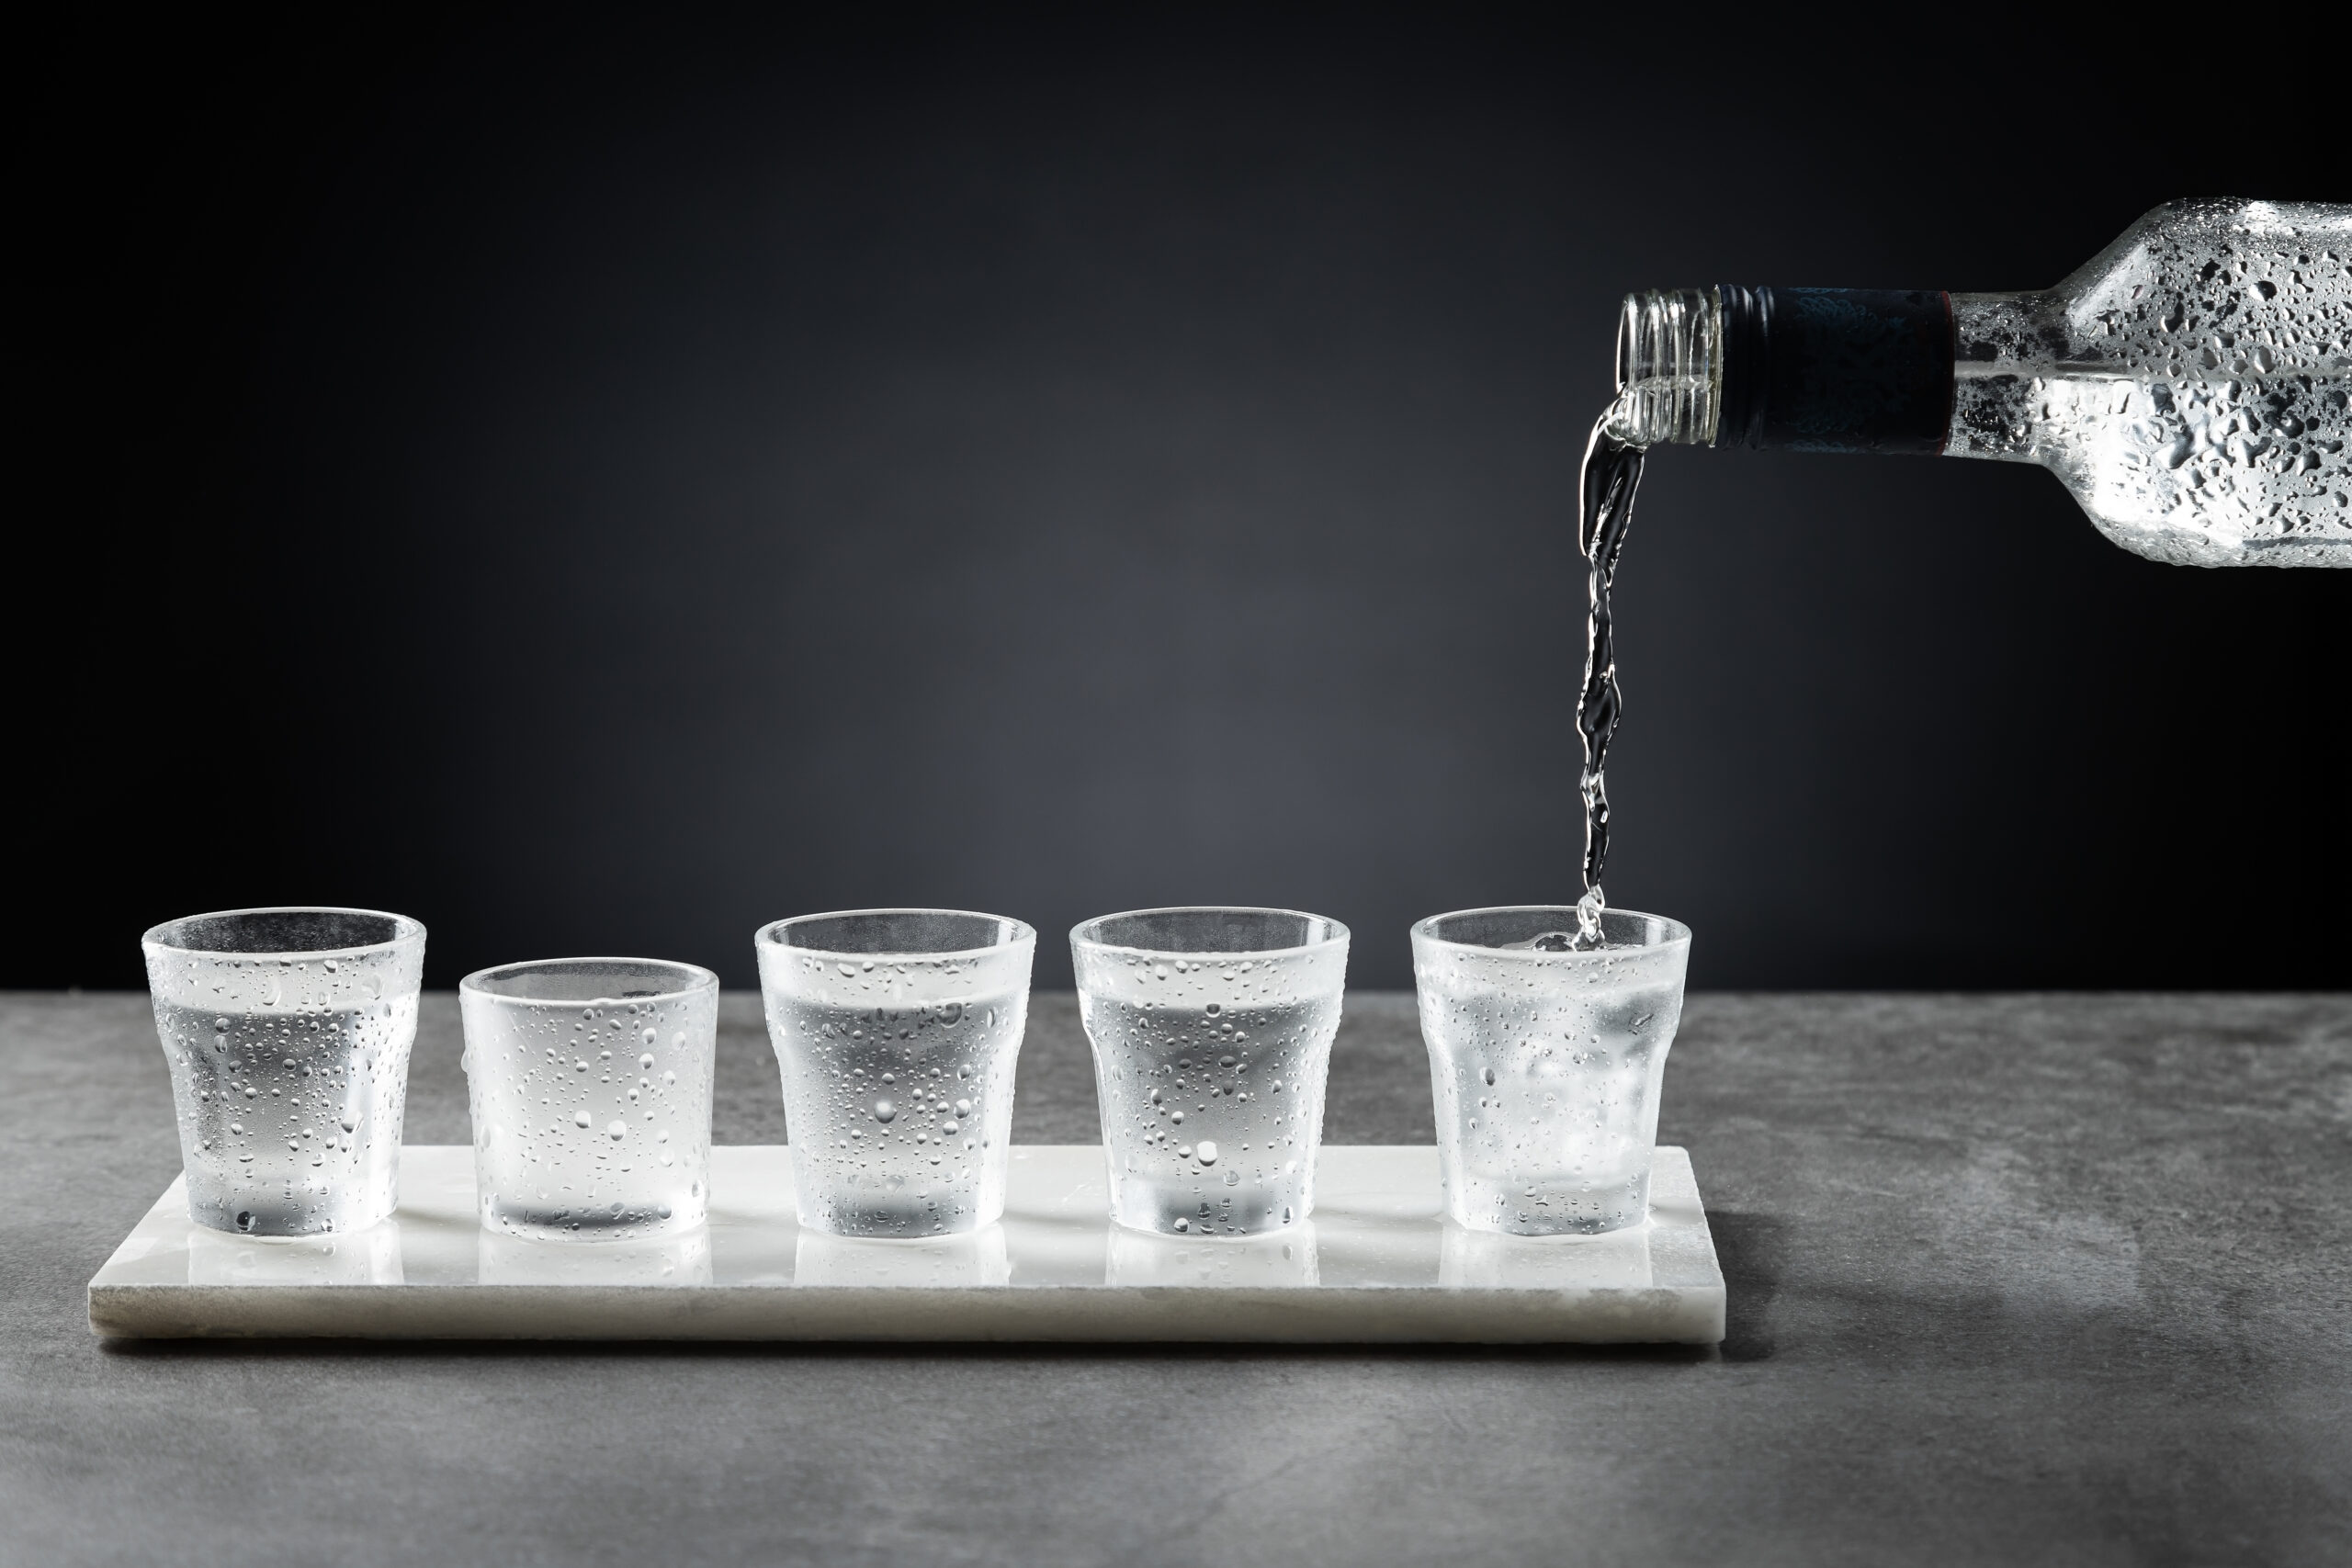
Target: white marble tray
1375, 1264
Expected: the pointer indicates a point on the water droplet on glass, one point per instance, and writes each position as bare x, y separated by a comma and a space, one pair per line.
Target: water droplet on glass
884, 1111
582, 1118
645, 1063
1206, 1152
617, 1130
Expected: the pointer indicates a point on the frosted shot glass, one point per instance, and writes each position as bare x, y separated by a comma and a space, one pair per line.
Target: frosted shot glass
1212, 1033
287, 1032
1546, 1064
590, 1083
897, 1032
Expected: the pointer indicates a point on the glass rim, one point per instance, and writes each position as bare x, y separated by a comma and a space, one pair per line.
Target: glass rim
1022, 931
405, 930
1425, 930
1339, 934
697, 978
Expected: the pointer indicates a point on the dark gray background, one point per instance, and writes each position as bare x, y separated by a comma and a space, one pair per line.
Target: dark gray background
597, 483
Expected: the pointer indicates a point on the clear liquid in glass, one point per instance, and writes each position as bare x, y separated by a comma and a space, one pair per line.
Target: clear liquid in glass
1214, 1112
899, 1116
290, 1116
592, 1119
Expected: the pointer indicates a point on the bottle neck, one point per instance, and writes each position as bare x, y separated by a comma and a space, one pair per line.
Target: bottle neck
1802, 369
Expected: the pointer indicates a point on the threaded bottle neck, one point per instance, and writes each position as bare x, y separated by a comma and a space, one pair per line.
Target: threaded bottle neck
1802, 369
1669, 368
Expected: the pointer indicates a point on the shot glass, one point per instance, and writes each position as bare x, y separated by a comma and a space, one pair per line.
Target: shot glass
590, 1083
1546, 1063
287, 1032
896, 1033
1212, 1033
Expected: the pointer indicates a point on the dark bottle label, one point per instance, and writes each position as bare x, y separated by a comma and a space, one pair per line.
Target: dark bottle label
1837, 369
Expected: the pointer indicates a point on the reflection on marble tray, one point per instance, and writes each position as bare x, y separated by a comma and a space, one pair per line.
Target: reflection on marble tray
1376, 1263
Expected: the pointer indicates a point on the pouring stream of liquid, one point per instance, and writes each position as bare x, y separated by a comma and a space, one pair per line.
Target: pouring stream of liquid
1611, 473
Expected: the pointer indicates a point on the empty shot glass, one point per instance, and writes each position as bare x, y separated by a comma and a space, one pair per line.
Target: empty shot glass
897, 1032
590, 1081
1546, 1063
1212, 1033
288, 1030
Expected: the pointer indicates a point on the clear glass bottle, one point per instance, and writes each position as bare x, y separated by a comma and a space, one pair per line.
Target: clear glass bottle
2192, 384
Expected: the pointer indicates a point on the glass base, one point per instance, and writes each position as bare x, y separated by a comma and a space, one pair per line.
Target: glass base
606, 1222
1549, 1207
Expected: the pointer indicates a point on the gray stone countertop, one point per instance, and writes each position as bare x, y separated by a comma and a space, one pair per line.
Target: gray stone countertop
2047, 1279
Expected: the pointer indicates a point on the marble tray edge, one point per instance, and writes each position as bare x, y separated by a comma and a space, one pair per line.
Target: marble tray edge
1033, 1315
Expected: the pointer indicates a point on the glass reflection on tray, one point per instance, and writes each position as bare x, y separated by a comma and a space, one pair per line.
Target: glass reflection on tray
1260, 1262
1486, 1260
683, 1258
939, 1263
369, 1257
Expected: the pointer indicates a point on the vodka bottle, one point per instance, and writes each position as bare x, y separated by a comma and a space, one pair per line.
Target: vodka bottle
2189, 386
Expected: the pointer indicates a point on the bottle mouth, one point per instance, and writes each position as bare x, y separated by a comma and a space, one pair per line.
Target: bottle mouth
1669, 368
